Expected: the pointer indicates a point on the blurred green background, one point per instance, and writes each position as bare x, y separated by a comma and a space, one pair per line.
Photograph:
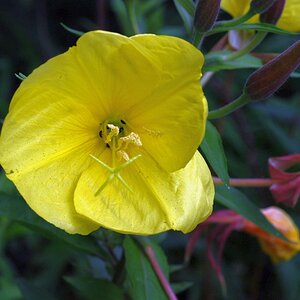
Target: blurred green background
39, 262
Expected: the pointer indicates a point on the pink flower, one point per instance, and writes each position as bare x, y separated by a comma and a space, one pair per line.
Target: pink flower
287, 190
225, 221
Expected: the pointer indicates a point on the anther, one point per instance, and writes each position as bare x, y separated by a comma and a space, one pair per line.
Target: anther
123, 122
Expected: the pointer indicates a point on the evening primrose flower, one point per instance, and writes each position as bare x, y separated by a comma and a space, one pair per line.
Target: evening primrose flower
106, 134
289, 19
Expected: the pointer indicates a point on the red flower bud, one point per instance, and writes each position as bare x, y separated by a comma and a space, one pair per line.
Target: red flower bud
273, 14
268, 79
206, 14
259, 6
288, 189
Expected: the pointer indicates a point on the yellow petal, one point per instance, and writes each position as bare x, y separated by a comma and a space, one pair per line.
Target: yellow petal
120, 73
43, 140
158, 201
278, 249
152, 82
235, 8
38, 131
289, 19
172, 120
186, 195
49, 190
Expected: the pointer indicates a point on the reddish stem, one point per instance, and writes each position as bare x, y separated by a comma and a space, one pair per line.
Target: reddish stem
157, 269
248, 182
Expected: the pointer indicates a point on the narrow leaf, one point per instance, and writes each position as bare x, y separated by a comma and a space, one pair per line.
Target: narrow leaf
143, 282
185, 16
94, 288
32, 292
74, 31
237, 201
16, 209
214, 62
188, 5
255, 26
213, 150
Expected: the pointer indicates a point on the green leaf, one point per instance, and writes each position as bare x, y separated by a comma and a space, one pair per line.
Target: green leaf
94, 289
255, 26
213, 150
32, 292
6, 185
188, 6
16, 209
214, 62
237, 201
185, 16
119, 9
8, 288
74, 31
143, 282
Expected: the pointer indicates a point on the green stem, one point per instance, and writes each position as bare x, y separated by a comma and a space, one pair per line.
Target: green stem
198, 39
206, 77
247, 182
257, 39
234, 22
229, 108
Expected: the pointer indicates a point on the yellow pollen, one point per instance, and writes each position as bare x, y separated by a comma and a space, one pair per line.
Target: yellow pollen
114, 131
110, 133
131, 138
122, 155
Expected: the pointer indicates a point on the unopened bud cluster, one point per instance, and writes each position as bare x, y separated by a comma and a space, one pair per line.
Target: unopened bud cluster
273, 14
206, 14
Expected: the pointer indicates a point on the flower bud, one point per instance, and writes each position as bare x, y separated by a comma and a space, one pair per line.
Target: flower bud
259, 6
273, 14
206, 14
277, 249
264, 82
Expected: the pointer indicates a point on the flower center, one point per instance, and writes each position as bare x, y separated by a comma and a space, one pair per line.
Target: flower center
116, 136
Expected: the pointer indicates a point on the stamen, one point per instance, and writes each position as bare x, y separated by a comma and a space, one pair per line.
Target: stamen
132, 138
114, 131
122, 154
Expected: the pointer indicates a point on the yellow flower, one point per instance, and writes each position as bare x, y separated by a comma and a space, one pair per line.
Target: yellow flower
277, 249
106, 134
289, 19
